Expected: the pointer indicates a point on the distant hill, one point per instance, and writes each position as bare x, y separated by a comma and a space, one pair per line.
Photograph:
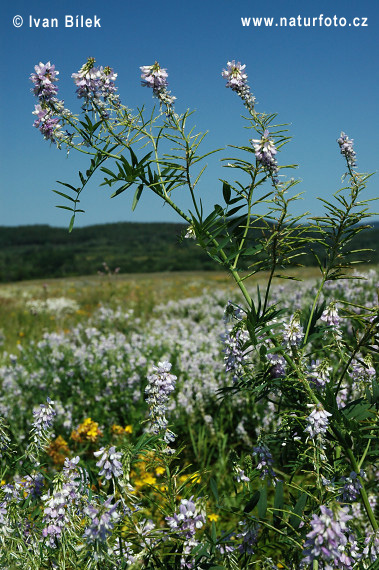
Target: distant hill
41, 251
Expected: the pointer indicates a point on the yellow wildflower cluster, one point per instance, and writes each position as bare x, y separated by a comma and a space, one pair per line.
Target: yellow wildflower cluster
87, 431
119, 430
58, 450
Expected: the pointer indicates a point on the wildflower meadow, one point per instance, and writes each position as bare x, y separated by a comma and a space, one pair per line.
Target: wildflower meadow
235, 426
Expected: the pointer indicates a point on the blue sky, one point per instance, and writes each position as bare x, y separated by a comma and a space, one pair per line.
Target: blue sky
320, 79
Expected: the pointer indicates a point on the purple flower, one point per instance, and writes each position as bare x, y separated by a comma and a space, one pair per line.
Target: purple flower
237, 81
248, 537
62, 501
293, 332
185, 523
188, 520
155, 76
265, 152
235, 354
240, 475
109, 462
330, 542
330, 316
102, 520
95, 82
317, 421
44, 80
43, 421
159, 387
265, 461
319, 373
351, 488
346, 146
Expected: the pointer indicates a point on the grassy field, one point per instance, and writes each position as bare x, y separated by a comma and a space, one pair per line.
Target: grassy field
138, 291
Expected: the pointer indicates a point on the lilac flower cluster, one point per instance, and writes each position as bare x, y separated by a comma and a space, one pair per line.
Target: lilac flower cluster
109, 462
278, 365
330, 316
247, 538
48, 106
265, 152
237, 81
352, 486
371, 549
330, 541
239, 475
363, 372
43, 421
60, 503
185, 523
293, 332
155, 76
160, 385
44, 80
346, 146
102, 520
265, 461
95, 82
319, 373
317, 421
235, 354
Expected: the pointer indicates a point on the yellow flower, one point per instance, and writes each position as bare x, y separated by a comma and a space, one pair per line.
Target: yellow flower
21, 334
160, 470
149, 479
128, 429
87, 431
213, 517
118, 430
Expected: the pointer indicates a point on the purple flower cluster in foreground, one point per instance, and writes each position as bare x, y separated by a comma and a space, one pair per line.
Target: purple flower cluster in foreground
155, 76
109, 462
293, 332
44, 80
95, 82
346, 146
265, 461
60, 503
351, 488
248, 537
235, 354
48, 106
43, 422
102, 520
330, 541
237, 81
317, 421
265, 152
185, 523
160, 385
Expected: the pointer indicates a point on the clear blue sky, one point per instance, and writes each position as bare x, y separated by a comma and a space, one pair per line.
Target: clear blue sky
320, 79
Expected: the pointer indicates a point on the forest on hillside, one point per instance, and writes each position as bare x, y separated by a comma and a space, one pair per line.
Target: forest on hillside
42, 251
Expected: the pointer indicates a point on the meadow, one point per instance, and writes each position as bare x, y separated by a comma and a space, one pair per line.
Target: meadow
89, 345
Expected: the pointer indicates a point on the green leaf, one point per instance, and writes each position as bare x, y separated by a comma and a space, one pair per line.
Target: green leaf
137, 196
71, 223
214, 490
253, 502
226, 192
262, 503
65, 196
296, 517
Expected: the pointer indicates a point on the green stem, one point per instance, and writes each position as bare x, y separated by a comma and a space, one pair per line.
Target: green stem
313, 309
362, 491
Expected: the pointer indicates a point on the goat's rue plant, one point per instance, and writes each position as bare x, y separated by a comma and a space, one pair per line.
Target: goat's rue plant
304, 494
